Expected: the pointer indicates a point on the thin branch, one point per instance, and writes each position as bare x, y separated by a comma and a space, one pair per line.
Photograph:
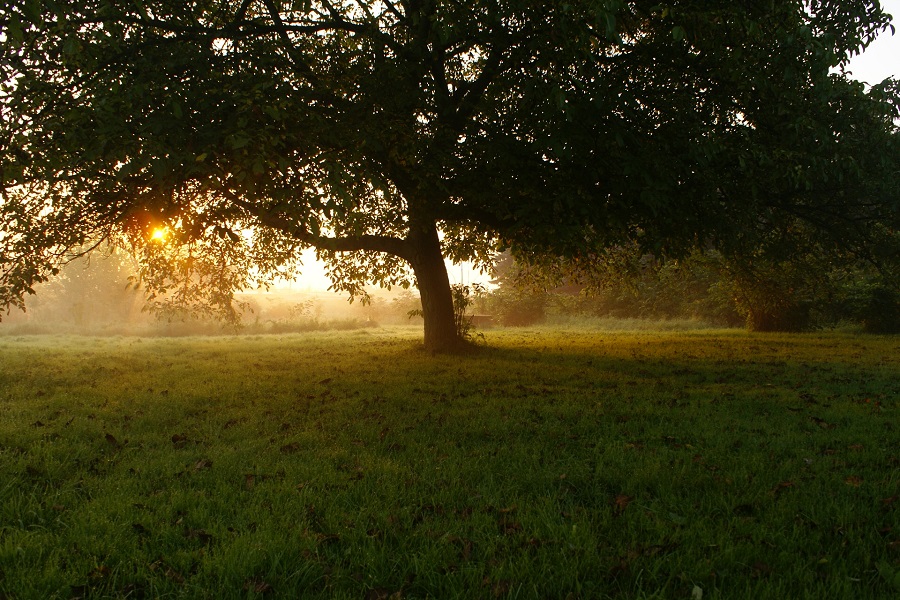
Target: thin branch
463, 213
363, 6
393, 9
239, 15
288, 44
72, 256
443, 96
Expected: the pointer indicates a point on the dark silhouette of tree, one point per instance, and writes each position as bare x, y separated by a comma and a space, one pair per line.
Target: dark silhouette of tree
391, 134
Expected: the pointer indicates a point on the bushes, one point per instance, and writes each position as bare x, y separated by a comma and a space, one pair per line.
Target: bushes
771, 297
805, 292
517, 308
875, 304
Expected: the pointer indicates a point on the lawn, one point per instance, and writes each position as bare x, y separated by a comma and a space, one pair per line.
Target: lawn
566, 463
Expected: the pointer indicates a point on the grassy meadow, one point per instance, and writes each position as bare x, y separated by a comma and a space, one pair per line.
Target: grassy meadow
552, 463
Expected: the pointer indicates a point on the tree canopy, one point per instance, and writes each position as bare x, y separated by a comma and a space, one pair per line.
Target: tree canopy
390, 134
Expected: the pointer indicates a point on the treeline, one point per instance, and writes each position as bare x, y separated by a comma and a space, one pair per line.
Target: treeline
100, 294
800, 293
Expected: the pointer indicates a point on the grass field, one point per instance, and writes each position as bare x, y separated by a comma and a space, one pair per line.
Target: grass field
550, 464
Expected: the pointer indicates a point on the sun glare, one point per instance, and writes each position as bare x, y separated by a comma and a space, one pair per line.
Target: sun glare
159, 234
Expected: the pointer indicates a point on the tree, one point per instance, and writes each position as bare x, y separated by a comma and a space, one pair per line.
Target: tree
389, 134
92, 293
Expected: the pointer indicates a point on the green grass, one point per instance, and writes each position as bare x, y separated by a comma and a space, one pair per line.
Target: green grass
551, 464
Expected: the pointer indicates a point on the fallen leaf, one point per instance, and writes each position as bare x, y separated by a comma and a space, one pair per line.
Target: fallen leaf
509, 527
202, 464
501, 588
99, 572
677, 519
782, 486
174, 575
139, 529
853, 480
761, 569
621, 503
821, 423
382, 594
198, 534
327, 538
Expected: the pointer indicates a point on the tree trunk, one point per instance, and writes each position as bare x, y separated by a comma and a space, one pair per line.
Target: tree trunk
427, 262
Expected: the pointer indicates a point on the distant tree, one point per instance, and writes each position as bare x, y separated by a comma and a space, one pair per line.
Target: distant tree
795, 288
391, 134
91, 291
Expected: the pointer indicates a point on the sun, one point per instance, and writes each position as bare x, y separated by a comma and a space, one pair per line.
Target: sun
159, 234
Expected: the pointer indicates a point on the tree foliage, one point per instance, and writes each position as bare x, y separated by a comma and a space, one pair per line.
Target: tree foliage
390, 134
804, 290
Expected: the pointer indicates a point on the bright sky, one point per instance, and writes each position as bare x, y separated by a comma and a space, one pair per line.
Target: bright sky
882, 58
879, 61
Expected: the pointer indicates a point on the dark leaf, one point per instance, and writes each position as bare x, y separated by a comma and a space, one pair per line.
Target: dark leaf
202, 465
621, 502
140, 529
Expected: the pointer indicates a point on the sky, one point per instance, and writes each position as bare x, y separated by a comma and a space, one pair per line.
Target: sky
880, 60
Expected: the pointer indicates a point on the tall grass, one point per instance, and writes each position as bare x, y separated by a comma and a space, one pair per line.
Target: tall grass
550, 464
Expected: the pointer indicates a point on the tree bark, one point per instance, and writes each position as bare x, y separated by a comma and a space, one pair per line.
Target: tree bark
433, 282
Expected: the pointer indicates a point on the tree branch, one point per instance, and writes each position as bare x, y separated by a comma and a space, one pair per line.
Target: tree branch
370, 243
393, 9
288, 44
469, 95
239, 15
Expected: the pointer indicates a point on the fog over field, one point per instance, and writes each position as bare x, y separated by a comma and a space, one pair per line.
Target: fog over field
100, 296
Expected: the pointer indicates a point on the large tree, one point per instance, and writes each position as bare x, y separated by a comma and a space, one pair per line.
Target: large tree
391, 134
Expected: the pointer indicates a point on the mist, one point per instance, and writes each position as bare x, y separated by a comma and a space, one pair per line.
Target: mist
100, 295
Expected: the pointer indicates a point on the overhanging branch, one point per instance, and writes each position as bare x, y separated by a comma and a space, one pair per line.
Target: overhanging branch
368, 243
